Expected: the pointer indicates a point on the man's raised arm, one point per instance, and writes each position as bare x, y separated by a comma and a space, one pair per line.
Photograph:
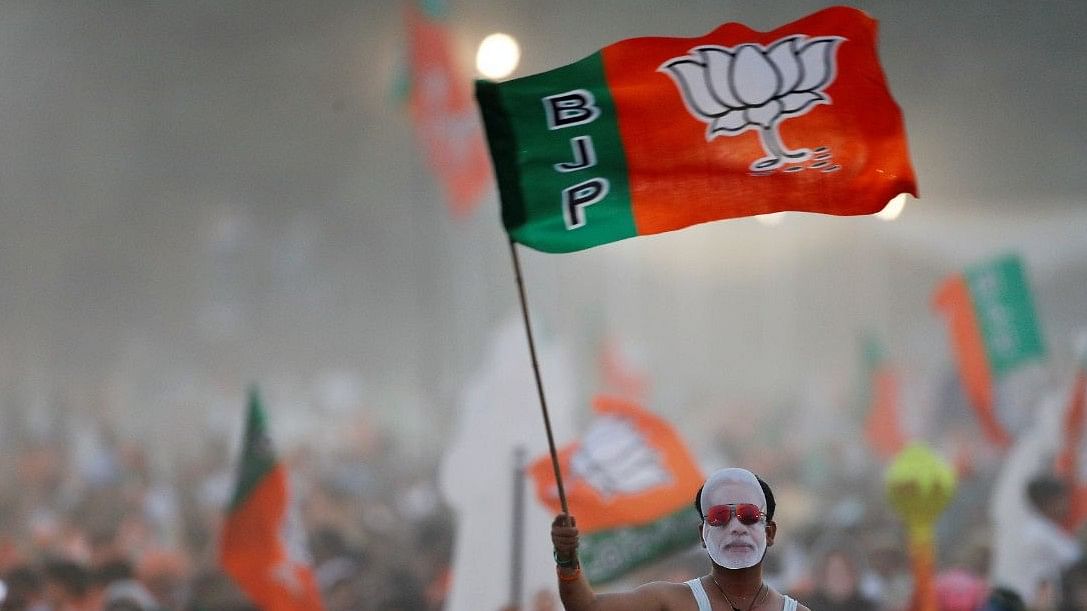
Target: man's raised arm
574, 588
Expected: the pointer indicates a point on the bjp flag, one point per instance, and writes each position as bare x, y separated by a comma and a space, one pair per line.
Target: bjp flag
883, 423
655, 134
1067, 463
441, 109
631, 487
253, 549
993, 329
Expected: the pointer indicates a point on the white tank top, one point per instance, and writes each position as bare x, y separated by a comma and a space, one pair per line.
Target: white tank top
704, 601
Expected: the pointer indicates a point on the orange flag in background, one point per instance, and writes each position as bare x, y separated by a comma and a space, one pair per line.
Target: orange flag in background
882, 425
1068, 460
445, 117
630, 468
630, 482
252, 549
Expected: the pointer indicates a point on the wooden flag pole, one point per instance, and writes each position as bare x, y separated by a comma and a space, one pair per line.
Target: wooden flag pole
536, 372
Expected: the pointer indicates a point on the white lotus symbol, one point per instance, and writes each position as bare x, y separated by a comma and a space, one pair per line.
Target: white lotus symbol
755, 87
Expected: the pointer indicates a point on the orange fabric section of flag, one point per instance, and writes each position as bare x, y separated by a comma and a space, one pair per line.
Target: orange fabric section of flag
255, 557
630, 468
1068, 459
853, 129
252, 547
444, 114
883, 428
952, 298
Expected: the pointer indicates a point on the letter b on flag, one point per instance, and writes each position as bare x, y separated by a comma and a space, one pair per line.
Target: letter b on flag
575, 107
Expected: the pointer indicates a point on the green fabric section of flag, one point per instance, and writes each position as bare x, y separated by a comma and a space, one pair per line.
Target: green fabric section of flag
872, 359
526, 146
1005, 312
258, 458
609, 554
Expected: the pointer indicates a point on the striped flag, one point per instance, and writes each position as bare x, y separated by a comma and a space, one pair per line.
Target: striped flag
258, 548
446, 122
1069, 458
656, 134
632, 485
993, 330
883, 424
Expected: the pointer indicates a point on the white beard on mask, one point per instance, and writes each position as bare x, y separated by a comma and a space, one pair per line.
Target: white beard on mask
741, 558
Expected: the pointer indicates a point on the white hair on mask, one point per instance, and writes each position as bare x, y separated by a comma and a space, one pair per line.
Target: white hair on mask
731, 476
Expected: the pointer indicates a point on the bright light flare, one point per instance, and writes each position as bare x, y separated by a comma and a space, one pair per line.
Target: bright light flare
771, 219
893, 208
498, 56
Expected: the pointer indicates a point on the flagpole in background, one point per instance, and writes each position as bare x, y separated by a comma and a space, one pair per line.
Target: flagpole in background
536, 373
517, 537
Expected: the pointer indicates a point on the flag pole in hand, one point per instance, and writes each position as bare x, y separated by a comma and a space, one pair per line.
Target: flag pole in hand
536, 373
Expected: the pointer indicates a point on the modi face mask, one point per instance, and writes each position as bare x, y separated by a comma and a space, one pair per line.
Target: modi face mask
734, 519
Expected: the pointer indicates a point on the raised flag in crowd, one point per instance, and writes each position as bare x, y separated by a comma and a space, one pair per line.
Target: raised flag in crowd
1070, 458
993, 330
631, 483
655, 134
260, 548
883, 428
446, 122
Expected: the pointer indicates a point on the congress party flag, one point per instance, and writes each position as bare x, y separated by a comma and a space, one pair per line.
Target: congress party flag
883, 424
631, 485
446, 122
257, 547
655, 134
993, 330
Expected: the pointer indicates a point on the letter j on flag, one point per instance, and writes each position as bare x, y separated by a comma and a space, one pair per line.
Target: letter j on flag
655, 134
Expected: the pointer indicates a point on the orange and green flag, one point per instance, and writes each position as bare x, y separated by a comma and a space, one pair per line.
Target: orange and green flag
257, 547
446, 122
1068, 463
631, 487
655, 134
883, 423
993, 330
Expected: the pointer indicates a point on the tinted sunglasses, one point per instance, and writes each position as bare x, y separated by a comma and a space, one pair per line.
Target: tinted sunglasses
746, 513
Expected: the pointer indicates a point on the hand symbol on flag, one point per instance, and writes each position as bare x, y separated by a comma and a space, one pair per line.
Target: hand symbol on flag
615, 458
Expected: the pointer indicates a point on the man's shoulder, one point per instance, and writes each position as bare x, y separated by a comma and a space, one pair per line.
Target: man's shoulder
673, 596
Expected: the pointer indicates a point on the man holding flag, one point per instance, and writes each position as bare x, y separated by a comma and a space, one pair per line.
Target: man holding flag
737, 510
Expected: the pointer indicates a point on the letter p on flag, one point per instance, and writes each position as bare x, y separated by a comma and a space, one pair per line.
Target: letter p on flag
671, 132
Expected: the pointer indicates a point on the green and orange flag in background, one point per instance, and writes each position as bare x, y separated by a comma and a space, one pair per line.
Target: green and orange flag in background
256, 546
883, 423
993, 330
655, 134
632, 485
446, 123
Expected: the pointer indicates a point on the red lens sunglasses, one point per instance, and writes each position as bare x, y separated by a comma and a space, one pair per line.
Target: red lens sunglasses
746, 513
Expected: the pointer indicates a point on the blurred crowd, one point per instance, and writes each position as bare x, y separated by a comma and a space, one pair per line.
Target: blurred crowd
104, 529
90, 526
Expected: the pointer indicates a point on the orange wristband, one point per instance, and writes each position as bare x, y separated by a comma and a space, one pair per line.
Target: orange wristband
570, 577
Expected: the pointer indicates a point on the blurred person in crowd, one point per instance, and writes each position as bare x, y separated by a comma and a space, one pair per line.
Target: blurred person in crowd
213, 590
837, 585
737, 512
1004, 599
165, 574
1044, 549
25, 589
68, 586
1074, 587
889, 579
959, 590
